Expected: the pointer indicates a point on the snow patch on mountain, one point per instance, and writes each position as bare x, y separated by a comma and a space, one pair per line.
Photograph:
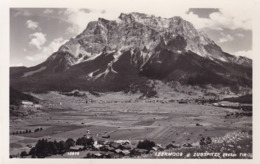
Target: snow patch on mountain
116, 56
103, 74
26, 74
90, 75
92, 57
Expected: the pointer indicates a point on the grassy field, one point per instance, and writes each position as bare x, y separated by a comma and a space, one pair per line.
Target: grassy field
122, 116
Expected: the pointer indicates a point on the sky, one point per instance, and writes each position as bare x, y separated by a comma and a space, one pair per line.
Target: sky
36, 33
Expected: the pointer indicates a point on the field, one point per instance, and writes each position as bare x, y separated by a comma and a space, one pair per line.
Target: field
123, 117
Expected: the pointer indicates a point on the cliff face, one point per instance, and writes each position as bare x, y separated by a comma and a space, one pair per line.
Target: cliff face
137, 47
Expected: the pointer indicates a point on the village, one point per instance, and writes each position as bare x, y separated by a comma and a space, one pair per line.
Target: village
89, 147
117, 124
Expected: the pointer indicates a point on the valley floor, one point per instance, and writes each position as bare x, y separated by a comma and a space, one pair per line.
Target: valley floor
128, 118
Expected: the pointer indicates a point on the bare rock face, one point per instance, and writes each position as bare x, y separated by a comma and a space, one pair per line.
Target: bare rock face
136, 30
137, 47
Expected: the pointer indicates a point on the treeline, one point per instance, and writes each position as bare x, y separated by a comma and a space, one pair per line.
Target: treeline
247, 99
27, 131
44, 148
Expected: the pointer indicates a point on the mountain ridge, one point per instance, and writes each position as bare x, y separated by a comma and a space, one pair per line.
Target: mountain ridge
135, 48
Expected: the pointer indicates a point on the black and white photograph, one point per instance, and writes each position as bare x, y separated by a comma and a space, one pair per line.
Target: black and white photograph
130, 83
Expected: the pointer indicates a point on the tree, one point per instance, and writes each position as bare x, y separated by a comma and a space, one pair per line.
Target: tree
42, 148
70, 142
208, 140
90, 141
146, 144
52, 147
32, 152
133, 153
62, 146
79, 141
89, 155
23, 154
202, 141
85, 141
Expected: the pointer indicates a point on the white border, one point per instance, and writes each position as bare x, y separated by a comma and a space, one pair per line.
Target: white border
132, 5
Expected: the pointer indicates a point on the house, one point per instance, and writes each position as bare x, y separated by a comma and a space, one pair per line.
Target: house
183, 102
110, 149
106, 148
187, 145
125, 146
172, 146
27, 103
115, 145
106, 142
106, 136
159, 146
126, 152
37, 106
76, 148
215, 104
118, 151
155, 148
97, 146
97, 155
122, 142
141, 151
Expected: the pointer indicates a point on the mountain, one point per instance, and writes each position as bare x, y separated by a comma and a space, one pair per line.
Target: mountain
113, 55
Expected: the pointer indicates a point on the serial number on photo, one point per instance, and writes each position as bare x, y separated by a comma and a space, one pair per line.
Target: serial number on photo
73, 153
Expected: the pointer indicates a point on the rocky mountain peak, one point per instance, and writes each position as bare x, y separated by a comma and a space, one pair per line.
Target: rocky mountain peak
147, 33
103, 21
113, 54
127, 18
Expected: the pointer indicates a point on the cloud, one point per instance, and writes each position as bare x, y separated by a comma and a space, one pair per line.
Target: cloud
47, 50
248, 54
48, 11
79, 18
86, 10
226, 38
224, 18
22, 12
16, 64
232, 19
74, 29
37, 39
200, 23
31, 24
240, 35
218, 20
